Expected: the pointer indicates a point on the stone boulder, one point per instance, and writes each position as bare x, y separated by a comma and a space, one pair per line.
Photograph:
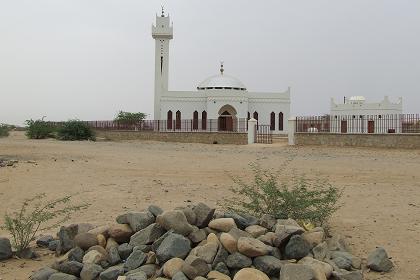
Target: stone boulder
112, 272
256, 230
85, 240
173, 246
203, 214
135, 260
229, 242
120, 232
172, 266
43, 273
90, 271
378, 260
194, 267
297, 272
222, 224
297, 248
252, 247
44, 241
268, 264
175, 220
62, 276
137, 220
147, 235
5, 249
237, 261
250, 273
322, 270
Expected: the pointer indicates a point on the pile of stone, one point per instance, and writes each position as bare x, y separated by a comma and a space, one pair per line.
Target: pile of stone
195, 243
7, 162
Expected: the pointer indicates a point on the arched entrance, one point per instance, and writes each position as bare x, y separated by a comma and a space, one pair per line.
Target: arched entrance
227, 118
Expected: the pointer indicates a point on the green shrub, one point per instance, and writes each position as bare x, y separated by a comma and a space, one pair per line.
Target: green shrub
75, 130
4, 130
302, 199
35, 215
39, 129
129, 118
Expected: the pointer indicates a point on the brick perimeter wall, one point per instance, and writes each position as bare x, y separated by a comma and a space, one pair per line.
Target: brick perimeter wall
183, 137
404, 141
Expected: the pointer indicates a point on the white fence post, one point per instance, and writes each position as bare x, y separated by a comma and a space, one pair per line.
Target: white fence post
251, 130
291, 130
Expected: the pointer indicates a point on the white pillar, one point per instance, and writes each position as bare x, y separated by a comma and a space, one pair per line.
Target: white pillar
251, 130
291, 130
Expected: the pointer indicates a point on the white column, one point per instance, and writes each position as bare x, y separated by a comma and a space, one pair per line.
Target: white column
251, 130
291, 128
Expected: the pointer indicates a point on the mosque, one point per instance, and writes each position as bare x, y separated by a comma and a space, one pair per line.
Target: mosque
220, 97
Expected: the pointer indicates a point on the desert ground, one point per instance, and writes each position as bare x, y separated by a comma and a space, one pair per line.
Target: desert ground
380, 204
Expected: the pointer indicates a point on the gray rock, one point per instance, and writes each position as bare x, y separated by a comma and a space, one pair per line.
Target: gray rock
190, 215
320, 251
62, 276
157, 243
147, 235
155, 210
112, 272
76, 254
268, 264
113, 256
137, 276
297, 248
136, 259
66, 236
275, 252
194, 267
143, 248
197, 236
137, 220
267, 221
238, 261
70, 267
203, 214
379, 261
148, 269
175, 220
90, 271
52, 246
124, 250
28, 254
297, 272
5, 249
221, 256
355, 261
240, 221
179, 276
173, 246
347, 275
44, 241
222, 268
43, 273
342, 262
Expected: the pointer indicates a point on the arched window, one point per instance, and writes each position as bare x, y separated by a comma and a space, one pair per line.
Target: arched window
272, 121
204, 120
249, 116
281, 121
195, 120
169, 120
178, 120
255, 115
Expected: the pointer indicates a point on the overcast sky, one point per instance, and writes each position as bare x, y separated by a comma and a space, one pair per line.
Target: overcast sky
88, 59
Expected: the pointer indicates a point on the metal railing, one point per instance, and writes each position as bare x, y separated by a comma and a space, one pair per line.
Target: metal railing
228, 125
379, 124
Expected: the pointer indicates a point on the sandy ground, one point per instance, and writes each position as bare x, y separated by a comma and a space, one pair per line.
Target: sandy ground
381, 201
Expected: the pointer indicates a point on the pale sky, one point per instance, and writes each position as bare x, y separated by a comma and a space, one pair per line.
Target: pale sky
88, 59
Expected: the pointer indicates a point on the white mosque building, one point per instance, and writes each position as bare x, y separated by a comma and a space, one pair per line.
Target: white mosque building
222, 98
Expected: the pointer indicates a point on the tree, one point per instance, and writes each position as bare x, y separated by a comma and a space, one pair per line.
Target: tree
130, 118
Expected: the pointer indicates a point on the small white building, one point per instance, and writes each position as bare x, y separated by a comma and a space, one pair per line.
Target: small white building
221, 97
356, 115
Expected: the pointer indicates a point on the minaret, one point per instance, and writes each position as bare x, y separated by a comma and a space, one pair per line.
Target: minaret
162, 32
